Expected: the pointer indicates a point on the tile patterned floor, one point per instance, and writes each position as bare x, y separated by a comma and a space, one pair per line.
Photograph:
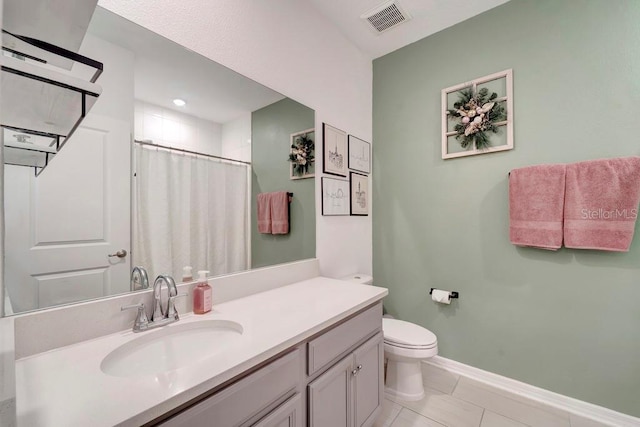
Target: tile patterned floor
454, 401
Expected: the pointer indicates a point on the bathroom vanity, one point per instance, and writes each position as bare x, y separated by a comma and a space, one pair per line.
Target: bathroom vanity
309, 353
342, 383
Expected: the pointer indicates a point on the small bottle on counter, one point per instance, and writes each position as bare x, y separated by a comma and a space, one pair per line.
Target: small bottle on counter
187, 275
202, 294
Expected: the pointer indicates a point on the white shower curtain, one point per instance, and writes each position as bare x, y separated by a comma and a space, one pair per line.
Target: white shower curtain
189, 210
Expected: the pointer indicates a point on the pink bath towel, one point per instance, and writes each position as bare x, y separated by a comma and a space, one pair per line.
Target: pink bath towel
279, 212
264, 213
536, 202
602, 204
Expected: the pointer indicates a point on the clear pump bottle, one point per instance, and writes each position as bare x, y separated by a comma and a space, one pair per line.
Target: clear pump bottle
187, 276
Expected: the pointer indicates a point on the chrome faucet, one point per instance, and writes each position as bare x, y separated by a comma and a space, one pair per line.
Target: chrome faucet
159, 311
162, 314
139, 278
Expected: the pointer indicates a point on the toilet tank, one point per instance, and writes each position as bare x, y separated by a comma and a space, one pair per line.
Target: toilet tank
361, 279
364, 279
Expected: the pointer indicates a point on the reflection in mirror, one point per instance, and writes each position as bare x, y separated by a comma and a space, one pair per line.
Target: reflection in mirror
270, 126
163, 173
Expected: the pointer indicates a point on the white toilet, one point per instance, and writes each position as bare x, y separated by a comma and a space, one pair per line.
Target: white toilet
405, 346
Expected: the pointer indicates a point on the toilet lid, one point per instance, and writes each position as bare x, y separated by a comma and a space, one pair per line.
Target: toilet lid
407, 334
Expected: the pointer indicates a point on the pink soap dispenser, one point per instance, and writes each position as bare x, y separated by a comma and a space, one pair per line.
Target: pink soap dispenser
202, 294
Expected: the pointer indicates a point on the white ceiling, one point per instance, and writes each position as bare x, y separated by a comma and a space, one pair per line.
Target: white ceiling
428, 17
164, 70
59, 22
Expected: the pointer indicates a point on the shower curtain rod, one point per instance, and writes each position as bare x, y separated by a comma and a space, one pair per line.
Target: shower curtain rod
182, 150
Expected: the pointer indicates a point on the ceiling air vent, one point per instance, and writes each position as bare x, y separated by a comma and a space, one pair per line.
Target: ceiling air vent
385, 17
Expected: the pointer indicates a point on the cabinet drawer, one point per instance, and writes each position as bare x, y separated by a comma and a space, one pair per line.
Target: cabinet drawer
338, 340
289, 414
246, 398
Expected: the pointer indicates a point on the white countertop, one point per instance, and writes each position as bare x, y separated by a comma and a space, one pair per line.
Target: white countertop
65, 387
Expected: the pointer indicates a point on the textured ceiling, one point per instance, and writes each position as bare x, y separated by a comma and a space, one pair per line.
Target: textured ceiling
428, 17
164, 70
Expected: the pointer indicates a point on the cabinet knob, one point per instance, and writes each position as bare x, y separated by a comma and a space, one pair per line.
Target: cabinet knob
359, 368
354, 372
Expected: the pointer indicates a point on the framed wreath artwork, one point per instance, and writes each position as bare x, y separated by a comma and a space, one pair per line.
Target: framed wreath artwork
477, 116
302, 154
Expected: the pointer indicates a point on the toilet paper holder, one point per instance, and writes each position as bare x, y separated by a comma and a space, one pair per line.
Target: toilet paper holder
452, 295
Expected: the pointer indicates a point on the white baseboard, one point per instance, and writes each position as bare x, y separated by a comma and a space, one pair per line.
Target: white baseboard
556, 400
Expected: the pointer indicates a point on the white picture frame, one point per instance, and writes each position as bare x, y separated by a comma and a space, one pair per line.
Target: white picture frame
335, 196
334, 149
312, 167
359, 153
448, 135
359, 193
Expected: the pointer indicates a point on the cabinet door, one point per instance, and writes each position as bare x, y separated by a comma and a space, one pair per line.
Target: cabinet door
330, 397
289, 414
368, 381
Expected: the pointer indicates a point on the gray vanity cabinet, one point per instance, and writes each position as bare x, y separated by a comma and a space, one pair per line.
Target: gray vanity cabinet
289, 414
350, 393
369, 381
249, 398
334, 379
330, 402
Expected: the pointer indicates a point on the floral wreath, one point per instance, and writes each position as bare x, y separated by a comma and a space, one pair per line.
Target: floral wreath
477, 114
302, 154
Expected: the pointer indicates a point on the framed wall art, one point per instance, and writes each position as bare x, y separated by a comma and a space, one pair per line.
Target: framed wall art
477, 116
335, 196
334, 151
359, 155
359, 184
302, 154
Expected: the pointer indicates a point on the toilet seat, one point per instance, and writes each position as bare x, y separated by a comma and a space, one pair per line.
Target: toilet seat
399, 333
411, 347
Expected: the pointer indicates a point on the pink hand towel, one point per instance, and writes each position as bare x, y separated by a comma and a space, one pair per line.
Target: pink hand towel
536, 202
602, 204
280, 212
264, 213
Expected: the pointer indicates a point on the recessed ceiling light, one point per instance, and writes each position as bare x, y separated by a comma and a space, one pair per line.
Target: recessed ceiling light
179, 102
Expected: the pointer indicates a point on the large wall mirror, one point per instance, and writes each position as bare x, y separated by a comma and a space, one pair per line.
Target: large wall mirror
163, 173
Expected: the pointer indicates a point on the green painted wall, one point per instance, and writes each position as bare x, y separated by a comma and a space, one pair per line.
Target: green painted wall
567, 321
271, 128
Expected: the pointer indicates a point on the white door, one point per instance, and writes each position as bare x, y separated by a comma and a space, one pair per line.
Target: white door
63, 224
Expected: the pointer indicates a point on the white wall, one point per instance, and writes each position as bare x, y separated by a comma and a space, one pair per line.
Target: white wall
17, 182
7, 373
116, 100
7, 342
168, 127
290, 47
236, 138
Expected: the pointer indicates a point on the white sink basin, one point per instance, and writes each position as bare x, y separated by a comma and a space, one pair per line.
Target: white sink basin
171, 347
